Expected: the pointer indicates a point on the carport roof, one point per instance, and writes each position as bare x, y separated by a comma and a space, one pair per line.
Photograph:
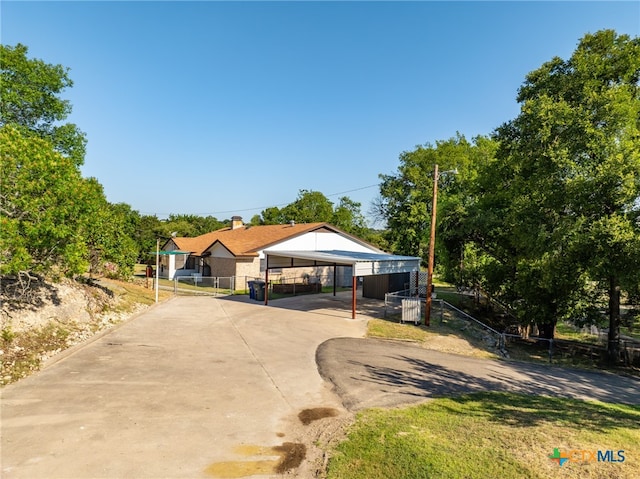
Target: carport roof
363, 263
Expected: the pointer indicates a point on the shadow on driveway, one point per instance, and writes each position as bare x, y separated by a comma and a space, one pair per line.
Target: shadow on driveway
323, 303
378, 373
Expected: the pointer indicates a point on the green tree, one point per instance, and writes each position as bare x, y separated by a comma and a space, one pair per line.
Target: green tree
309, 207
54, 221
30, 90
314, 207
149, 228
273, 216
110, 234
256, 220
405, 198
192, 225
41, 214
569, 176
348, 217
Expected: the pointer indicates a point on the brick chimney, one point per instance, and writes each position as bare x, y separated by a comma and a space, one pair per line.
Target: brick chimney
236, 222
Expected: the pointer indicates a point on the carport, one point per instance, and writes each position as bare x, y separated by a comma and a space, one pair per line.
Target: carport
362, 264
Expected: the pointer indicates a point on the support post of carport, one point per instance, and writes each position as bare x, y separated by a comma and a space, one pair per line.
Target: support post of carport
266, 283
335, 276
354, 284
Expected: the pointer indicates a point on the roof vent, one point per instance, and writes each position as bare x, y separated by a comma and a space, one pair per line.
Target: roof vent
292, 223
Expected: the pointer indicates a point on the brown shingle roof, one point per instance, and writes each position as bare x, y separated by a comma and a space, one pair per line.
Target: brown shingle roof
247, 240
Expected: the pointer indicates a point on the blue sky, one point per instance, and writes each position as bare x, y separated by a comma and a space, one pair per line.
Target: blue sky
223, 108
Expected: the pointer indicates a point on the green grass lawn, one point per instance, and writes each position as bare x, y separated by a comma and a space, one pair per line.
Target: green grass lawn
572, 333
632, 332
450, 326
489, 435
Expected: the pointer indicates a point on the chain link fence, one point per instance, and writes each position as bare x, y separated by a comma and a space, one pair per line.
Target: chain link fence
197, 284
501, 340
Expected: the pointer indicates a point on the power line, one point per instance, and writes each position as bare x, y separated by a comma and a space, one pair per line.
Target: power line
356, 189
212, 213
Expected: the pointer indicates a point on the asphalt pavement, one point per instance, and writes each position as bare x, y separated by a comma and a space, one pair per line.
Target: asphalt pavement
380, 373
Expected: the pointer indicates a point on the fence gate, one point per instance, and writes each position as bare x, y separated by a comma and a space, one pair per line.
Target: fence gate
197, 285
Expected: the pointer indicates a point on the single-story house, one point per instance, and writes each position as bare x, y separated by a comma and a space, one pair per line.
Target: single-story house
248, 252
238, 250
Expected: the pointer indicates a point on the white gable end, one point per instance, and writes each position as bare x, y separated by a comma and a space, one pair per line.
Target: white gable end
320, 241
219, 251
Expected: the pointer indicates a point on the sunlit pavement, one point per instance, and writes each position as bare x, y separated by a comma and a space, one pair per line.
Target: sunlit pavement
189, 384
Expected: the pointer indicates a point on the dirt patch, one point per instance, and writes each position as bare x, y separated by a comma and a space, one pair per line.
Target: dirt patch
307, 416
318, 429
456, 345
64, 302
56, 316
291, 456
320, 436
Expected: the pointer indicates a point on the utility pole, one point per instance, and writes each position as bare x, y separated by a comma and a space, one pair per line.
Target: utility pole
432, 245
432, 242
157, 266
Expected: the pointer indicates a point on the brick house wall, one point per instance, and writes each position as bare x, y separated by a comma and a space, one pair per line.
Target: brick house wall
222, 267
249, 267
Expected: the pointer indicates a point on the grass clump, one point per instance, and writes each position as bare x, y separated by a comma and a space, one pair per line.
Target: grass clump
106, 303
22, 352
389, 329
449, 334
488, 435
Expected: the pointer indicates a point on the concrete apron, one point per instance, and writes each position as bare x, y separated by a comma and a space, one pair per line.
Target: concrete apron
189, 384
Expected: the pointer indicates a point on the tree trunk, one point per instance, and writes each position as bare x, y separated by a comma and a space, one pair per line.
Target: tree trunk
613, 346
547, 330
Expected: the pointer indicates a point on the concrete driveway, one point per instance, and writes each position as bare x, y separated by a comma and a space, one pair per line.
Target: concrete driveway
195, 387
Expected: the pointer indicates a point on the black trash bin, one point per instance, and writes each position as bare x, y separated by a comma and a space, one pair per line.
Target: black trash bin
259, 290
252, 290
